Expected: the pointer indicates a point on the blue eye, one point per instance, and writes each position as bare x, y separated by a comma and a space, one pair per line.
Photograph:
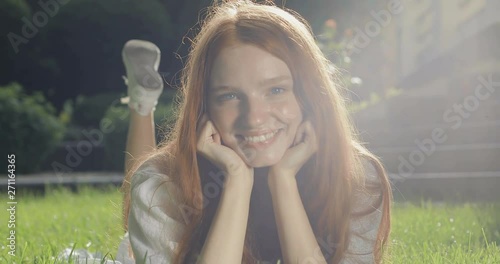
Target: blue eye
277, 90
226, 97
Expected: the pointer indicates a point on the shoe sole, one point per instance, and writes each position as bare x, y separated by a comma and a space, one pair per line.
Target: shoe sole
141, 59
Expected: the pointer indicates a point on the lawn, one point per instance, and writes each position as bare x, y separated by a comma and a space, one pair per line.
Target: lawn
421, 233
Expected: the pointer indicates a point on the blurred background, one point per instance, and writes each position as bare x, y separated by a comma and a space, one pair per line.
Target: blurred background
422, 78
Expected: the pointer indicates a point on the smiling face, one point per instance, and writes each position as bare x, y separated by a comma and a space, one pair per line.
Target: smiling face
252, 104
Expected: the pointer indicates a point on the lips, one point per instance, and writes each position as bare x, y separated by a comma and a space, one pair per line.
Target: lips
259, 140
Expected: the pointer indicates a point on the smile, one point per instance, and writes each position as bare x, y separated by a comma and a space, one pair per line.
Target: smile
261, 140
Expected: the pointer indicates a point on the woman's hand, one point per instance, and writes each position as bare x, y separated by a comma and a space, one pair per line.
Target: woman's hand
304, 146
210, 146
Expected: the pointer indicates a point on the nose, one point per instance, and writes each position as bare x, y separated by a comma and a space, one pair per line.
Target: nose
255, 112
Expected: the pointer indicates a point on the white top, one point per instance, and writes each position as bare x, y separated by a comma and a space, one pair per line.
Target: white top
156, 224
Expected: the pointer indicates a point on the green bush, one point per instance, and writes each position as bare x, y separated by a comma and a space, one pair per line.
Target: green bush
114, 126
29, 128
89, 110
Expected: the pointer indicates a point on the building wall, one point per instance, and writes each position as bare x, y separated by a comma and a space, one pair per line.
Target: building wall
424, 31
429, 28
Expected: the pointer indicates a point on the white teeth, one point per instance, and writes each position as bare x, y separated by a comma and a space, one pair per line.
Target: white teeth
260, 138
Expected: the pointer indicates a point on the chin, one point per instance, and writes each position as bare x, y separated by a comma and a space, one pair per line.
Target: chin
260, 160
262, 164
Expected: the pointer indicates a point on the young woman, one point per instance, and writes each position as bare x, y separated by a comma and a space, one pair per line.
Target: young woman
262, 164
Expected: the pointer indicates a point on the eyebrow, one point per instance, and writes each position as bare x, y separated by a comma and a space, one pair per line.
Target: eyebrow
264, 82
276, 79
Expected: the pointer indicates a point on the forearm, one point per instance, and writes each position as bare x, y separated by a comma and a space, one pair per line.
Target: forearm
298, 243
226, 237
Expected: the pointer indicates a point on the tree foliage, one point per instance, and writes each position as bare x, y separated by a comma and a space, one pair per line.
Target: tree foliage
30, 129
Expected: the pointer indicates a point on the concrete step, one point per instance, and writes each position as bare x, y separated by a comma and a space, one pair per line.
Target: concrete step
409, 112
448, 158
473, 133
452, 187
425, 110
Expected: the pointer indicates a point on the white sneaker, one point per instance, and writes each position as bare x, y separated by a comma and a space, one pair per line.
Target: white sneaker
145, 84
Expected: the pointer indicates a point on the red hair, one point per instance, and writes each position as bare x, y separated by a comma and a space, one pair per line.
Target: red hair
332, 175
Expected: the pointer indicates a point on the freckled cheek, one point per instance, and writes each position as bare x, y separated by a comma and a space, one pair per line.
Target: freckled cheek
287, 112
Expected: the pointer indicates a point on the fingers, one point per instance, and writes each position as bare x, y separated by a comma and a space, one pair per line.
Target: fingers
310, 137
306, 134
201, 124
207, 133
215, 133
206, 129
210, 146
299, 135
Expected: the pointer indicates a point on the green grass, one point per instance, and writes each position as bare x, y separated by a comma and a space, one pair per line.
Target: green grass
47, 225
430, 233
423, 233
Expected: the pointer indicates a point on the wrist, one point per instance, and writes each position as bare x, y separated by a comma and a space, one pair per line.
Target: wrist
240, 195
278, 181
239, 181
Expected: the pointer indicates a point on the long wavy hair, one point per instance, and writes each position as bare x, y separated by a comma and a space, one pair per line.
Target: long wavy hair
330, 178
